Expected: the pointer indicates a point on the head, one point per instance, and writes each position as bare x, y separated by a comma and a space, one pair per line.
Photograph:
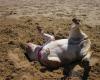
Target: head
30, 51
76, 21
76, 24
75, 28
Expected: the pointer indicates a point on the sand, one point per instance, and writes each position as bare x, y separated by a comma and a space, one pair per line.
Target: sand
17, 26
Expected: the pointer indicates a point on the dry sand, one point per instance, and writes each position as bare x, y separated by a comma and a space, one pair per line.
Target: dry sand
17, 26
